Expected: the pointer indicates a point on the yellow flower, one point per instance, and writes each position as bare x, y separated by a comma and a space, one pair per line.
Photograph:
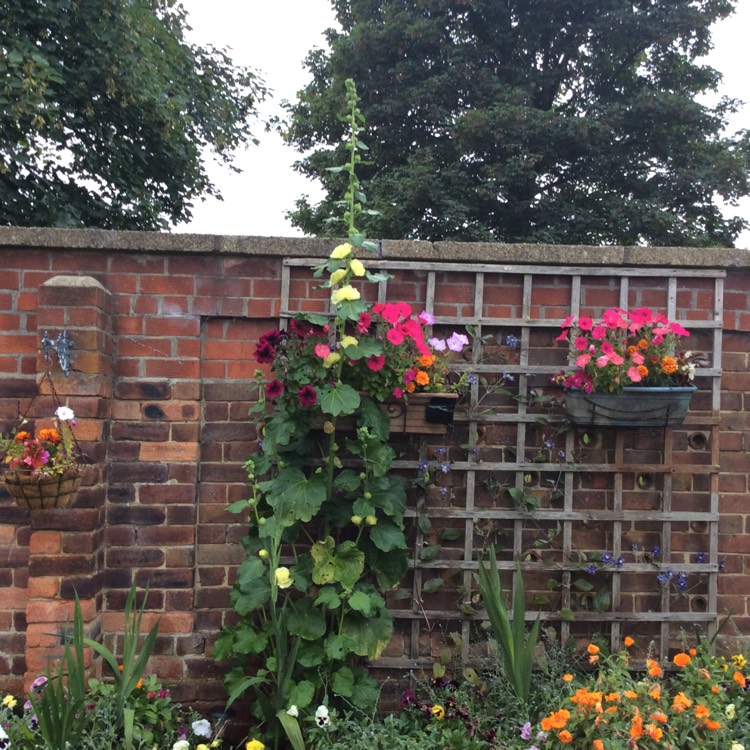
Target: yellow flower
348, 341
283, 580
254, 745
567, 677
337, 275
201, 747
263, 554
328, 427
356, 520
730, 711
9, 701
331, 359
347, 293
739, 661
339, 252
438, 712
357, 267
371, 520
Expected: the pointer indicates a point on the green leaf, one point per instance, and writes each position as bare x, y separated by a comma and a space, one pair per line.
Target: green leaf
309, 625
429, 553
328, 597
348, 480
343, 564
337, 647
310, 654
450, 535
342, 682
339, 399
360, 602
301, 695
238, 506
386, 536
432, 584
369, 636
424, 523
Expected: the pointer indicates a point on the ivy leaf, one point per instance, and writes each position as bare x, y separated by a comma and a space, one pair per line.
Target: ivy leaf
339, 399
432, 585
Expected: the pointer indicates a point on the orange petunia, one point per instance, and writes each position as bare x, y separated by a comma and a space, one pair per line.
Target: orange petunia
701, 711
654, 669
565, 737
712, 725
628, 642
681, 660
739, 678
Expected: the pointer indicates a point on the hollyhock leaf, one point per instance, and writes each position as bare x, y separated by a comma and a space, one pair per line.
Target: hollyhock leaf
350, 309
360, 602
387, 536
309, 625
339, 399
366, 690
301, 695
342, 682
369, 636
348, 480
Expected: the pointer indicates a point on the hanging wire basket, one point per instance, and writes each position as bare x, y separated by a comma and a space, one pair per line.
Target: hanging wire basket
43, 492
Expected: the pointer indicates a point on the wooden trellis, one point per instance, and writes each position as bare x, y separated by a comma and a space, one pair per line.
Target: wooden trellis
627, 490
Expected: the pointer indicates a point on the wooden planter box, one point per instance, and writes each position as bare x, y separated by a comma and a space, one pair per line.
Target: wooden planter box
423, 413
634, 407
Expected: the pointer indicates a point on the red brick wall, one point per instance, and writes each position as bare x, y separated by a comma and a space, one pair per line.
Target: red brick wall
161, 383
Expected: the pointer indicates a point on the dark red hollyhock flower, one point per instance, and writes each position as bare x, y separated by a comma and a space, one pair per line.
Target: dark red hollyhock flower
274, 389
307, 395
264, 352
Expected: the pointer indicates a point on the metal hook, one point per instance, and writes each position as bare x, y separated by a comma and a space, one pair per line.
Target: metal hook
62, 346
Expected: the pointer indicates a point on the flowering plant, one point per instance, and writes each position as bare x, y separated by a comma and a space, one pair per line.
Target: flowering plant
613, 708
624, 348
51, 451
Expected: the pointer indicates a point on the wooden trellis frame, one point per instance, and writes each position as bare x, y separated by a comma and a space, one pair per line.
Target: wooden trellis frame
670, 288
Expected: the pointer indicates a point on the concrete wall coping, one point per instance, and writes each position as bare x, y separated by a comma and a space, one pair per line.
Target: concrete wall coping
95, 240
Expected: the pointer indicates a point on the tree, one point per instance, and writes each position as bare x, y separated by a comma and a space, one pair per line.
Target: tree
105, 109
560, 121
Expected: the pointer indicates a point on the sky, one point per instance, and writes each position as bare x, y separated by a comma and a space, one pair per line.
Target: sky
274, 38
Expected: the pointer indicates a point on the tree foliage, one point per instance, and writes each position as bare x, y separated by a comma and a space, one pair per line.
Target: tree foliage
105, 109
560, 121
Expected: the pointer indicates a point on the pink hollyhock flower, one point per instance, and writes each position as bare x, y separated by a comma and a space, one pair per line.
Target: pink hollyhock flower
307, 395
585, 324
634, 375
376, 362
395, 336
322, 351
581, 343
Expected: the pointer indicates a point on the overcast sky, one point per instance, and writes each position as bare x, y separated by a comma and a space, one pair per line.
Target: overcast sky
274, 37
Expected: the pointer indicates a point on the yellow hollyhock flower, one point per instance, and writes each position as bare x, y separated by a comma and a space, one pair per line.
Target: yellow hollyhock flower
337, 275
358, 268
347, 292
331, 359
341, 251
283, 580
348, 341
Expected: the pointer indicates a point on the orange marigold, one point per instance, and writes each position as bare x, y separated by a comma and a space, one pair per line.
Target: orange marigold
592, 649
642, 371
655, 693
713, 725
426, 360
422, 378
659, 716
643, 344
49, 435
654, 669
21, 436
628, 642
612, 697
655, 733
556, 720
598, 745
669, 365
701, 711
739, 678
681, 702
565, 737
410, 387
682, 660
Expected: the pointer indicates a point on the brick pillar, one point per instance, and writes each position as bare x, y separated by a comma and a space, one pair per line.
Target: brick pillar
65, 547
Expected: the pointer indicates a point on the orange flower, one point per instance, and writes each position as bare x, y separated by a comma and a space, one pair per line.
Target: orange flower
611, 710
631, 694
705, 674
49, 435
715, 689
701, 711
636, 730
426, 360
592, 649
628, 642
655, 733
598, 745
681, 702
422, 378
139, 684
556, 720
642, 371
693, 652
669, 365
21, 436
655, 693
612, 697
713, 725
653, 668
681, 660
739, 678
593, 658
565, 737
659, 716
567, 677
643, 344
410, 387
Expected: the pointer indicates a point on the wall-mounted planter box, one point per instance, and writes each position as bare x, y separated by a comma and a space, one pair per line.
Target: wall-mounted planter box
422, 413
634, 407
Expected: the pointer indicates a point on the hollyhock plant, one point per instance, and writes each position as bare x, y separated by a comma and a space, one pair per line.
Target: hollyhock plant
625, 348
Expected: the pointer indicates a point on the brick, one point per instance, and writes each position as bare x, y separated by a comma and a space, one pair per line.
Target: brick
149, 389
169, 452
45, 543
134, 557
135, 514
166, 535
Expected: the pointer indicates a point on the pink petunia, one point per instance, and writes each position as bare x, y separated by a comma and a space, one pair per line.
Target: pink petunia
616, 359
562, 337
568, 321
607, 348
398, 393
585, 324
409, 375
438, 345
376, 362
581, 343
637, 358
634, 374
457, 341
274, 389
678, 330
395, 336
583, 359
426, 319
602, 361
322, 351
599, 332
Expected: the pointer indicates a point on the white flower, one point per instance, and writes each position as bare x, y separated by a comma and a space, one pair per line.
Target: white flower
730, 711
202, 728
65, 414
737, 746
3, 737
293, 711
181, 745
321, 716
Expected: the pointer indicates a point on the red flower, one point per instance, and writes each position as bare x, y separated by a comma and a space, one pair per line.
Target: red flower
364, 322
274, 389
395, 336
376, 362
307, 396
264, 352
